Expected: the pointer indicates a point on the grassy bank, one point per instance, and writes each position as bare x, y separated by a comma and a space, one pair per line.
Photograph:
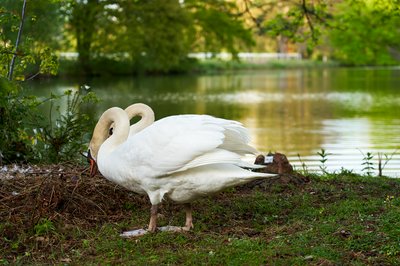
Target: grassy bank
215, 66
57, 214
103, 67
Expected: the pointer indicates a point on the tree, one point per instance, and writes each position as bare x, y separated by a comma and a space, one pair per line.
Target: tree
298, 21
34, 54
20, 50
154, 35
218, 25
83, 17
354, 32
366, 33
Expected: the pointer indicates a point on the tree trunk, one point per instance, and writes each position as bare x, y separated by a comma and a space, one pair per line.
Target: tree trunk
84, 20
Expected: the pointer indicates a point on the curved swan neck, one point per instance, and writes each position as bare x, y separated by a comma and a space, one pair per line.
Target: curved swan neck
120, 121
146, 114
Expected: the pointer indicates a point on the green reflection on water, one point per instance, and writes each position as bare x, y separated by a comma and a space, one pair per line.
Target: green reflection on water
291, 111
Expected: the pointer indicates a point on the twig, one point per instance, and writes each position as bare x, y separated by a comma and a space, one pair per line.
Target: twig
33, 76
380, 166
84, 199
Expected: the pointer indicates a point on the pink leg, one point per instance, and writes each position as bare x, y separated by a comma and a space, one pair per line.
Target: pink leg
153, 218
189, 218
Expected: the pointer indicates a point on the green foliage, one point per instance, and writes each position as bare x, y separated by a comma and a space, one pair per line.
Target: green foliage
157, 35
217, 27
324, 157
29, 137
153, 36
56, 140
15, 111
367, 163
34, 55
363, 33
298, 21
43, 21
64, 134
353, 32
44, 227
304, 168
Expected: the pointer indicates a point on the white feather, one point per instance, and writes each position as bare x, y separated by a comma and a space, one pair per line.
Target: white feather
180, 157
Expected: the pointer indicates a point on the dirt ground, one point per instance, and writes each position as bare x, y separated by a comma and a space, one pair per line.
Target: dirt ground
65, 195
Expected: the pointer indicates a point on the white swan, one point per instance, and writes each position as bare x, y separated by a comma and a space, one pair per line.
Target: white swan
178, 157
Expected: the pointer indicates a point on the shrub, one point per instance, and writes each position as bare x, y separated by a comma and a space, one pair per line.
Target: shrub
15, 110
27, 136
62, 137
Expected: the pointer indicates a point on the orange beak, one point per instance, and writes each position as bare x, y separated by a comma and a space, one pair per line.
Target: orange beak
93, 165
93, 168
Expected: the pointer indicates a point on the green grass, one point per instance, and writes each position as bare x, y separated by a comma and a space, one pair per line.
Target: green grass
335, 220
107, 67
215, 65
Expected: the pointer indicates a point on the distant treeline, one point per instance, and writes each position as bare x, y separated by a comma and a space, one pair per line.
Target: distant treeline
123, 36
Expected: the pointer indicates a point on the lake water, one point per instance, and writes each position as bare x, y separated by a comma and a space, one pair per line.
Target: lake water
347, 112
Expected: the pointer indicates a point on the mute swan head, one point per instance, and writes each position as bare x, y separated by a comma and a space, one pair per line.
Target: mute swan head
101, 134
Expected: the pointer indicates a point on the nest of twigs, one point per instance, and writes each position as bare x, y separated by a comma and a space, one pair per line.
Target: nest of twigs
62, 194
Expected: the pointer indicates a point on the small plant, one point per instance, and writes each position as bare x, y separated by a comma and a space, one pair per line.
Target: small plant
389, 201
324, 157
344, 171
64, 136
367, 163
381, 166
303, 166
43, 227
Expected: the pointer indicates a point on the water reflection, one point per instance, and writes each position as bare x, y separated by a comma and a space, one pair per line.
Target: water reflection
347, 112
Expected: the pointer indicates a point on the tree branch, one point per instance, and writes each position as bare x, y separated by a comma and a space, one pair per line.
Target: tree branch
10, 73
309, 22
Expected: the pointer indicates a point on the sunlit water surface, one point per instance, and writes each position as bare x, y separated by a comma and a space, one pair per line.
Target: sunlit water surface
347, 112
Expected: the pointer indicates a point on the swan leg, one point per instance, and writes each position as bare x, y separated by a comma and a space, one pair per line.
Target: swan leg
189, 218
188, 224
152, 225
153, 218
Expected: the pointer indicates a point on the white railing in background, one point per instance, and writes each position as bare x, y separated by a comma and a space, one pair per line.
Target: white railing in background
246, 57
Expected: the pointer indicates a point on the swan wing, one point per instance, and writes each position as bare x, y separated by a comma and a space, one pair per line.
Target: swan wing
177, 143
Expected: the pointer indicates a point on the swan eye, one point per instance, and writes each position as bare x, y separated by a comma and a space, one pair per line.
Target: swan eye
110, 131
